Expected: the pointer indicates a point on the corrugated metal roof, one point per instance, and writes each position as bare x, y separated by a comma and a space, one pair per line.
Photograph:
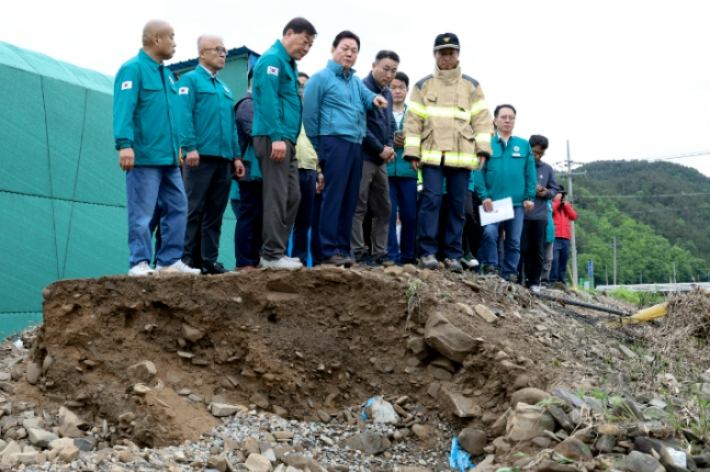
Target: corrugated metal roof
231, 54
41, 64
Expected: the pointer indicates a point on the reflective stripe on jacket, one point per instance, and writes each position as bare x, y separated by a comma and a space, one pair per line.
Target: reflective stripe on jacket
447, 115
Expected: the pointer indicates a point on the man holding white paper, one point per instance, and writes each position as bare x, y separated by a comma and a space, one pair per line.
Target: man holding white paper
509, 173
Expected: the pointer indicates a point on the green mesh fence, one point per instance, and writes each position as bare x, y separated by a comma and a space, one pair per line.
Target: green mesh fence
62, 193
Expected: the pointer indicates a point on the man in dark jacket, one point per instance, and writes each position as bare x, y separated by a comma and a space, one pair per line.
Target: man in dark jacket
377, 150
247, 235
532, 241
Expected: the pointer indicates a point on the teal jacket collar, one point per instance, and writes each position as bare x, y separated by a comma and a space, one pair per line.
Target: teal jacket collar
283, 54
338, 69
147, 60
204, 72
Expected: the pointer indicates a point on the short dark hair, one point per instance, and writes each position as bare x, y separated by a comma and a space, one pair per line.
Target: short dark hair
385, 54
299, 25
403, 77
539, 140
505, 105
346, 35
303, 74
250, 74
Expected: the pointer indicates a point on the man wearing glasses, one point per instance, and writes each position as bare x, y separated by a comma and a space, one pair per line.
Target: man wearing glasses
377, 150
510, 172
208, 137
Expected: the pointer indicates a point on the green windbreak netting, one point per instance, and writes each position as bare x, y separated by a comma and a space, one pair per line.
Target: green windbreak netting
62, 193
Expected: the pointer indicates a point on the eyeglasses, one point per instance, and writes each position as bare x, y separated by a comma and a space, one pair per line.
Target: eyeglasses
219, 49
399, 87
507, 117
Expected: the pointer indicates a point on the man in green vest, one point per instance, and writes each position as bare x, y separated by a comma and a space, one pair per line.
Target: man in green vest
208, 137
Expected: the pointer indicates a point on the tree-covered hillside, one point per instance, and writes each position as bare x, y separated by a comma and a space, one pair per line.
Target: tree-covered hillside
656, 214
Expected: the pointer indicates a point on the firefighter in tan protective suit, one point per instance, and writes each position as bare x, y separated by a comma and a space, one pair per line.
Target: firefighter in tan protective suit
447, 128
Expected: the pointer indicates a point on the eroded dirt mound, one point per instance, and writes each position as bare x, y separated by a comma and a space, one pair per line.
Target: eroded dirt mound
296, 343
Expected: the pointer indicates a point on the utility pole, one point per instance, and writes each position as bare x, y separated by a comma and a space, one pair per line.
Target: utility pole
575, 275
614, 259
674, 279
607, 275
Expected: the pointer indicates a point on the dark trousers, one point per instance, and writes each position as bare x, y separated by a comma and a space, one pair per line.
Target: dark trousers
559, 261
532, 251
403, 198
207, 187
431, 199
341, 164
281, 194
307, 182
250, 222
316, 252
472, 230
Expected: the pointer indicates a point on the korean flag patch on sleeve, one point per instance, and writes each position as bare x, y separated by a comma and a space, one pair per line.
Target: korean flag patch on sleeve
127, 85
183, 91
271, 70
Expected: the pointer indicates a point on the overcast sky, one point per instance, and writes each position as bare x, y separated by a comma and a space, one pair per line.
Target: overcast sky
619, 79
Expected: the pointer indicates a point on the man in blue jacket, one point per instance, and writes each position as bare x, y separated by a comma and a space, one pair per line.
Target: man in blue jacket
377, 150
402, 182
208, 137
334, 106
145, 126
277, 123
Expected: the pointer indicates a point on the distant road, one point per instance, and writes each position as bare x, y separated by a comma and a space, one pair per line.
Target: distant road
656, 287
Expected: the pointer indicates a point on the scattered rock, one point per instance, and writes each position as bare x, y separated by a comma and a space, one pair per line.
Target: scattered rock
257, 463
41, 438
528, 421
69, 454
223, 409
259, 400
421, 431
485, 313
303, 462
418, 347
463, 407
573, 448
473, 441
190, 333
561, 417
33, 372
144, 371
217, 462
531, 396
448, 339
368, 442
605, 444
639, 462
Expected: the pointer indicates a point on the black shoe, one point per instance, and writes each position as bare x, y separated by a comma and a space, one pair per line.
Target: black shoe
453, 265
385, 261
513, 279
367, 261
216, 268
338, 261
490, 271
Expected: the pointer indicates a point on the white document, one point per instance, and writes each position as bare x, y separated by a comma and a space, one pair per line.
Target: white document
502, 211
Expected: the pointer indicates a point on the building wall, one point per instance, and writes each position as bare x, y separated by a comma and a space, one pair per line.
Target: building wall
62, 193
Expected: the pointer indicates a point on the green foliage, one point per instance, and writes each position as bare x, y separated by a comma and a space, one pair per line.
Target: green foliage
652, 233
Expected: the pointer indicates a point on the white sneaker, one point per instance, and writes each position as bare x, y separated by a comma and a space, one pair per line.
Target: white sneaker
179, 266
292, 259
141, 270
535, 288
283, 263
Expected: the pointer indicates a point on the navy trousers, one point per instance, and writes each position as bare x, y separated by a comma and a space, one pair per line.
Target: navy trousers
403, 198
250, 222
341, 164
428, 225
562, 249
307, 182
316, 252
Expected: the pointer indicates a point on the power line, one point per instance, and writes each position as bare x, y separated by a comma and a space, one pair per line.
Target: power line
667, 195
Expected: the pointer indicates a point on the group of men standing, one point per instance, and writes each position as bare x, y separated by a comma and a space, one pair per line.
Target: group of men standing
317, 155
